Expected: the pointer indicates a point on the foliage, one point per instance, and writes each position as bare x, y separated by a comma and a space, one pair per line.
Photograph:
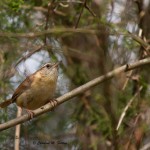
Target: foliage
90, 120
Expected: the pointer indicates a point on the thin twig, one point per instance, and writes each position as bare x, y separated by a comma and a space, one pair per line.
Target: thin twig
42, 9
126, 81
140, 41
127, 106
75, 92
47, 17
29, 54
76, 25
132, 132
89, 9
17, 132
50, 31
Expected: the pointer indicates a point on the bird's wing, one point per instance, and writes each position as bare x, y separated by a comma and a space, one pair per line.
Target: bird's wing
22, 87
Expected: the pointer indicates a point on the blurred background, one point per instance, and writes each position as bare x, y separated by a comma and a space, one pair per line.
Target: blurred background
91, 38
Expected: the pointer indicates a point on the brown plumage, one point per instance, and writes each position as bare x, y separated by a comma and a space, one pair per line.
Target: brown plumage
37, 89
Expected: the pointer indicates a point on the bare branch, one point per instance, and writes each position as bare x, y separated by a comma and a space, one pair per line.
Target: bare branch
37, 49
81, 12
72, 30
17, 132
126, 108
76, 25
126, 81
75, 92
47, 32
139, 40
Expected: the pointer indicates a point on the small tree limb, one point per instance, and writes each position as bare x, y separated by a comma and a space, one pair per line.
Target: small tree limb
72, 30
127, 107
75, 92
17, 132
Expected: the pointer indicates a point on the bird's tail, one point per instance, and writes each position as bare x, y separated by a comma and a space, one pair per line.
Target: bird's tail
5, 103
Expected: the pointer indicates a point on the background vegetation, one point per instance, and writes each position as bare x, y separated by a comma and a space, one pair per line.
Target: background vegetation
90, 37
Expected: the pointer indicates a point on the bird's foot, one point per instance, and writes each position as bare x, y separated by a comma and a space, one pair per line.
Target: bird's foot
30, 113
53, 102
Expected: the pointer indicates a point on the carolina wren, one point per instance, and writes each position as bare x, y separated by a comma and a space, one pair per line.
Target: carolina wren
37, 89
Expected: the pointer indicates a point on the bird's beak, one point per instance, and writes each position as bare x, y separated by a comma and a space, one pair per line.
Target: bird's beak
56, 64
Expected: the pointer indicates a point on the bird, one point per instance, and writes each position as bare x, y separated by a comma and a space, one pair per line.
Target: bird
36, 90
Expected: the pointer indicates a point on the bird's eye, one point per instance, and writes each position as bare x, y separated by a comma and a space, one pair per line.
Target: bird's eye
48, 66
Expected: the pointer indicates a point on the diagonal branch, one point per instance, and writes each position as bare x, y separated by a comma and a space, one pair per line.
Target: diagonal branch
76, 25
127, 107
144, 44
29, 54
75, 92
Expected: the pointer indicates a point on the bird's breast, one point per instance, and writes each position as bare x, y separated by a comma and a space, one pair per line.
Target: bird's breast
41, 91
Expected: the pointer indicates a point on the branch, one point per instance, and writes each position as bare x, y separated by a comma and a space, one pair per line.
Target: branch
127, 107
75, 92
29, 54
81, 12
37, 49
55, 31
47, 32
42, 9
72, 30
76, 25
139, 40
17, 132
